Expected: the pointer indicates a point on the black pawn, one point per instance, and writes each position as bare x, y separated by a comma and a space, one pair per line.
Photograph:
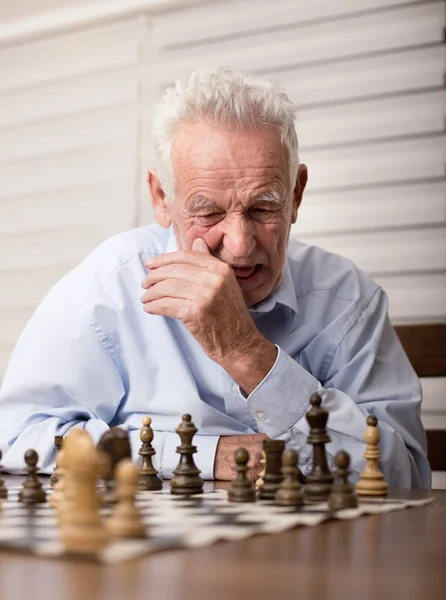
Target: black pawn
242, 489
290, 490
186, 480
342, 494
273, 469
3, 489
58, 441
148, 475
32, 491
320, 479
113, 446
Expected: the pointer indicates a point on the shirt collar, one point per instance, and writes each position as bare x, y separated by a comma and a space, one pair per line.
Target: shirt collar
284, 294
172, 244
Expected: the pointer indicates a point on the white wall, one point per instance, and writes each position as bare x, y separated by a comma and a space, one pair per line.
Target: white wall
75, 108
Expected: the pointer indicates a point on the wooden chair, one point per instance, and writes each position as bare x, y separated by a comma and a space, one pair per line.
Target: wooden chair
425, 345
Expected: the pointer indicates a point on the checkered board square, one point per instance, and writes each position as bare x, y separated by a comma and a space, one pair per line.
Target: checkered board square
173, 522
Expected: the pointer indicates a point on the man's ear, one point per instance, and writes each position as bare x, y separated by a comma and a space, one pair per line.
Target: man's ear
301, 182
160, 202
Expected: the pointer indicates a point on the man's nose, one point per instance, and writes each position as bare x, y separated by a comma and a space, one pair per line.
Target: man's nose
239, 237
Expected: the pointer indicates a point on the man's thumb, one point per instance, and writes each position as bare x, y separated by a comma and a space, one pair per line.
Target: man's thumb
199, 245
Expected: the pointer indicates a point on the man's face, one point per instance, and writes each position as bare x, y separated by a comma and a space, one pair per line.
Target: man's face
233, 190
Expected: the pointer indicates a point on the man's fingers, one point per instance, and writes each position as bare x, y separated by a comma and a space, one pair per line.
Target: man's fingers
199, 245
170, 288
176, 308
178, 271
199, 259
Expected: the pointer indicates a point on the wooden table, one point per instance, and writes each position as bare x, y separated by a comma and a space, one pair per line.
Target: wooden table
398, 555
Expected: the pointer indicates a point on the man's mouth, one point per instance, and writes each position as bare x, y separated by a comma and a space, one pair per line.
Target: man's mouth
244, 272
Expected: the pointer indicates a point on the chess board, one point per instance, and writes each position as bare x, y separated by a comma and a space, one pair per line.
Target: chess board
174, 522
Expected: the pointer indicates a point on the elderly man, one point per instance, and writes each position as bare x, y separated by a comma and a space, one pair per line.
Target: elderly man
234, 323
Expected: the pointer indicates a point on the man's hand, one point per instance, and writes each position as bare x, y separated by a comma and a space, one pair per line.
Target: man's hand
202, 291
224, 465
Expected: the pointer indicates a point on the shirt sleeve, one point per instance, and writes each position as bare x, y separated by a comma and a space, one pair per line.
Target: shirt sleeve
368, 373
62, 375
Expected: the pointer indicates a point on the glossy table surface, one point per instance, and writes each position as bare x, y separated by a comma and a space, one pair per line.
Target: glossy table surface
401, 554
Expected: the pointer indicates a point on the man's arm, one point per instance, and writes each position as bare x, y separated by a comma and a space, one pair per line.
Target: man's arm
369, 373
61, 375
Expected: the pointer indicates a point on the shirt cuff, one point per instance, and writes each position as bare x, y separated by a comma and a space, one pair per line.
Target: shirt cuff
282, 398
204, 458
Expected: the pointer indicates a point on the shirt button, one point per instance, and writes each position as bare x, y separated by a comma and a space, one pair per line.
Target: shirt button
235, 388
260, 415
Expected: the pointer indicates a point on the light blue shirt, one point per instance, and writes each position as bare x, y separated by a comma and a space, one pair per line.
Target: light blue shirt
91, 357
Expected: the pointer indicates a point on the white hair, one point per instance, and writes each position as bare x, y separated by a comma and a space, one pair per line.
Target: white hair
234, 99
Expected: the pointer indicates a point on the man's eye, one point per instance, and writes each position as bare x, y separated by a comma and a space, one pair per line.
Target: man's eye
263, 213
210, 217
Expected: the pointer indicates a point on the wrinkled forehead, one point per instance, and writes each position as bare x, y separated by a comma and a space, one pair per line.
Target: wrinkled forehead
204, 149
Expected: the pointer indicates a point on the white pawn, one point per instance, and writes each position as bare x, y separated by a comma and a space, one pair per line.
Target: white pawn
371, 481
81, 528
126, 520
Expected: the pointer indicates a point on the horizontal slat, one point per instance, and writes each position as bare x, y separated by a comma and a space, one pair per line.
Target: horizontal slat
361, 77
439, 480
434, 395
73, 96
390, 251
105, 202
426, 349
104, 163
72, 133
405, 27
377, 163
200, 23
386, 207
365, 76
53, 247
432, 421
69, 55
415, 298
379, 119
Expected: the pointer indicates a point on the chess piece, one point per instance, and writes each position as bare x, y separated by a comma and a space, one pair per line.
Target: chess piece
342, 493
81, 529
320, 479
65, 494
3, 489
148, 475
259, 481
115, 443
273, 468
242, 490
126, 520
290, 490
58, 441
57, 494
32, 491
371, 481
186, 480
